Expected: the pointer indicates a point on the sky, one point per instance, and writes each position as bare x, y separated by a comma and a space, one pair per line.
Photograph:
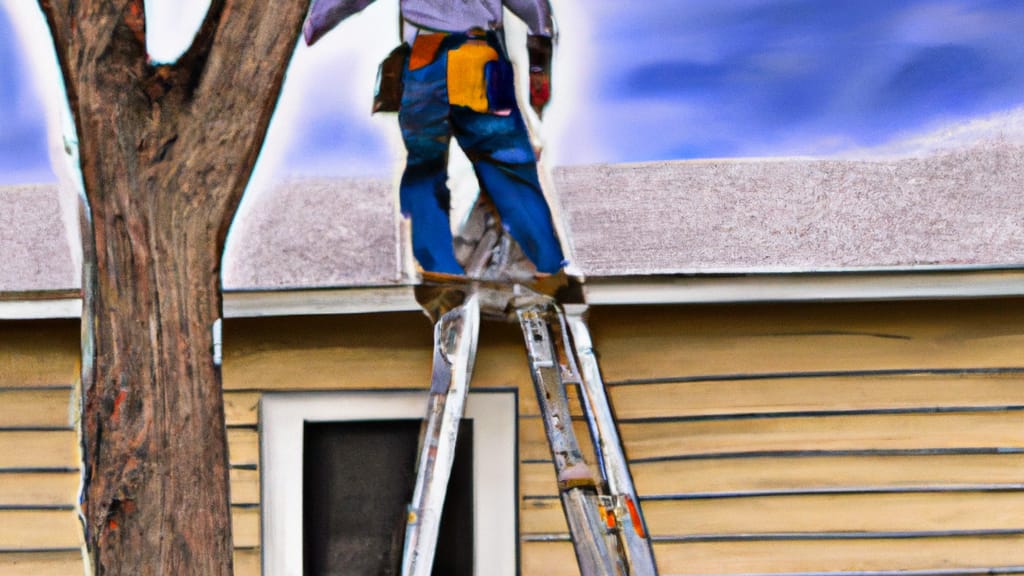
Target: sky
634, 81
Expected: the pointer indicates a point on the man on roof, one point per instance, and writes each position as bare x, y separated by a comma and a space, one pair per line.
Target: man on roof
457, 81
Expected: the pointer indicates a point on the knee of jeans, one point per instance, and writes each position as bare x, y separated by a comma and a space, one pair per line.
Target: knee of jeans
424, 166
425, 151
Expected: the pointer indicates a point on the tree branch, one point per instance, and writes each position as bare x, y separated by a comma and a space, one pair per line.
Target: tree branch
192, 63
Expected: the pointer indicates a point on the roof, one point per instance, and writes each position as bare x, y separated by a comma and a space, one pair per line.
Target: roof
34, 241
951, 202
952, 208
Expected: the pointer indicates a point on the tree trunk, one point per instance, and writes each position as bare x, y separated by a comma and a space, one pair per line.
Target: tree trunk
166, 152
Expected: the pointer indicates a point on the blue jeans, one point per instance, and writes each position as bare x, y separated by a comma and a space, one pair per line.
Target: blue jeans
503, 159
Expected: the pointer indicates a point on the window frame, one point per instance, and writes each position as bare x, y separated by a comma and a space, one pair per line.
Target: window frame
495, 472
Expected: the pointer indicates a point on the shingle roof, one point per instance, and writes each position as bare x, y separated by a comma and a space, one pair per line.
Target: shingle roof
952, 208
951, 202
34, 249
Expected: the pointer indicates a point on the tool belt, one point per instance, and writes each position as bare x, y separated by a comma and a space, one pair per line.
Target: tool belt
479, 74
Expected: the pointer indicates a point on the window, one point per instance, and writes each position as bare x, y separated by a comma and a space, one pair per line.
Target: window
298, 429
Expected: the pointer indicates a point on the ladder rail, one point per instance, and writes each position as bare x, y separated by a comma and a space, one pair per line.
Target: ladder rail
600, 504
597, 548
612, 458
455, 341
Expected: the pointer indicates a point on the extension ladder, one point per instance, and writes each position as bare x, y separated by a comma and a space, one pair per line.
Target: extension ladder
599, 501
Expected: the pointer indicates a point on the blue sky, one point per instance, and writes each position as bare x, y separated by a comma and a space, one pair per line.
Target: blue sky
650, 80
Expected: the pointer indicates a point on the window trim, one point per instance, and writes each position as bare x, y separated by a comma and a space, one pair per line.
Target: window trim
495, 471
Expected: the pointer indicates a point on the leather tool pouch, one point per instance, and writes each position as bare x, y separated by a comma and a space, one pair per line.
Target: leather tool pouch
388, 96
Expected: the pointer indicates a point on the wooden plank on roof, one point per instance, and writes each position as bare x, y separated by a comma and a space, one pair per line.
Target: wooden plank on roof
812, 556
39, 488
35, 408
671, 342
39, 353
829, 393
43, 563
807, 514
796, 474
39, 529
845, 432
39, 449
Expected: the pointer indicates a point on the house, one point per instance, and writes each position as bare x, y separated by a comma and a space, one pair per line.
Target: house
817, 365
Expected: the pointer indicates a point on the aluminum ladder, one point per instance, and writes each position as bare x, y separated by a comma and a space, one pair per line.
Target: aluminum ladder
599, 500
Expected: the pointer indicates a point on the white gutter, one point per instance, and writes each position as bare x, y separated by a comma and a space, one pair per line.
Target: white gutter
805, 287
820, 287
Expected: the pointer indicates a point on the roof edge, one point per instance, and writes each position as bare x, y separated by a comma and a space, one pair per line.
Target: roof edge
808, 287
601, 291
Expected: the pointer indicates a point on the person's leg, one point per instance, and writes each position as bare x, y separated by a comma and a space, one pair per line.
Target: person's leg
503, 157
423, 193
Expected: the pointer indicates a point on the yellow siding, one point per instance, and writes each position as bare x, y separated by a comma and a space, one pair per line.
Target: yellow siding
39, 464
670, 342
809, 438
742, 422
39, 353
41, 563
827, 513
796, 556
39, 529
764, 438
39, 488
742, 476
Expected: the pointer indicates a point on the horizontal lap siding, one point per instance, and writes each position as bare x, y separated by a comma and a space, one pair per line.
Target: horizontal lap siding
812, 437
954, 556
357, 352
764, 438
39, 460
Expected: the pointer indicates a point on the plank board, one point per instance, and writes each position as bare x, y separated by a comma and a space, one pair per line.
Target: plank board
860, 432
745, 475
848, 513
49, 449
370, 351
241, 408
39, 529
245, 527
39, 489
243, 446
247, 562
667, 342
39, 352
761, 557
35, 408
59, 563
245, 486
775, 395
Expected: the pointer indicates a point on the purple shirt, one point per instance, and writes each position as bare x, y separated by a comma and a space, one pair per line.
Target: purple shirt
440, 15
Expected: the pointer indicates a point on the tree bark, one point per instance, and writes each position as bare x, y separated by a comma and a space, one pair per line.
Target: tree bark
166, 152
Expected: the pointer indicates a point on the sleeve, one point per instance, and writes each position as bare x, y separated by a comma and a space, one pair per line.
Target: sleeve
326, 14
536, 14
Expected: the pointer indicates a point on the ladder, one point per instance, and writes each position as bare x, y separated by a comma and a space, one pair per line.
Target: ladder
599, 500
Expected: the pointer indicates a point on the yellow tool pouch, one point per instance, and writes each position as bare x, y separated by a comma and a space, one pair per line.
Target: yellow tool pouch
467, 83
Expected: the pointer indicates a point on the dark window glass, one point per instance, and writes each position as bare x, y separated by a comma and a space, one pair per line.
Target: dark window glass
358, 480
